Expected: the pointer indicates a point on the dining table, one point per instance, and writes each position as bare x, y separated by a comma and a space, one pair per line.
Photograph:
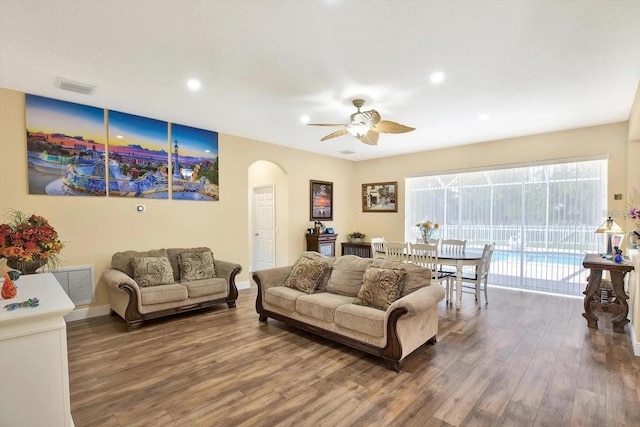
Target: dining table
459, 260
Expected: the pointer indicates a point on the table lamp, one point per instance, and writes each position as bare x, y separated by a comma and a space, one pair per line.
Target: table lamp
609, 228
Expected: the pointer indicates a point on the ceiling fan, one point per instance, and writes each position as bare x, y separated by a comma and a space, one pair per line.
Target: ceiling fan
365, 125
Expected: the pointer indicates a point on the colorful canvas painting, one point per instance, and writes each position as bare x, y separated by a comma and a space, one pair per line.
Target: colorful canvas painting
65, 148
138, 156
195, 163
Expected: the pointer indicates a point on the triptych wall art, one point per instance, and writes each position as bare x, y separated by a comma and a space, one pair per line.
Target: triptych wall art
69, 154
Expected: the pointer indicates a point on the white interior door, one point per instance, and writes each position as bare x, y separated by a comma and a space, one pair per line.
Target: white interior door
264, 236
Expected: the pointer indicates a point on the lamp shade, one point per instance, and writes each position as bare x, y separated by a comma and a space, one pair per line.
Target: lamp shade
610, 226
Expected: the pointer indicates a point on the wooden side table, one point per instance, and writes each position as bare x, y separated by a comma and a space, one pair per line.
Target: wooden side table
363, 250
597, 265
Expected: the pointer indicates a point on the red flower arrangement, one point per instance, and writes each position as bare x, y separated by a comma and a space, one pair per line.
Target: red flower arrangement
28, 238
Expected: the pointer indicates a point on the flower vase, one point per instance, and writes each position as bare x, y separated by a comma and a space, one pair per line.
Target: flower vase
26, 267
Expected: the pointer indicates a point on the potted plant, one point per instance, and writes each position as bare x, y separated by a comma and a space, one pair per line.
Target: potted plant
28, 242
356, 237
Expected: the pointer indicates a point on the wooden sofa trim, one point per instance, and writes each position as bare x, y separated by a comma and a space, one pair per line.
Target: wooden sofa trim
134, 318
391, 353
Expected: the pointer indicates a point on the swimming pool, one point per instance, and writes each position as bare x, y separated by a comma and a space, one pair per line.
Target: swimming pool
573, 259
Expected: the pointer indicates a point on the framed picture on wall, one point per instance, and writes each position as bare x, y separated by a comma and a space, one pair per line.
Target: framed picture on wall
321, 201
380, 197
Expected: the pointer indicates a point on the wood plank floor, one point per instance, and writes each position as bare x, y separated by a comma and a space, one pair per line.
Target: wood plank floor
523, 360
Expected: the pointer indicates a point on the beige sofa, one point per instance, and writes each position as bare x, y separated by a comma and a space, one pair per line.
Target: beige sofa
333, 309
184, 285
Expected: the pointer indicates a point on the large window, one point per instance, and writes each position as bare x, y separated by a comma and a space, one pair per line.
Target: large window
542, 218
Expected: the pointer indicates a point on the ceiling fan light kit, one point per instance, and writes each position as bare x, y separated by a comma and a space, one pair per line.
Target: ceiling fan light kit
358, 129
365, 126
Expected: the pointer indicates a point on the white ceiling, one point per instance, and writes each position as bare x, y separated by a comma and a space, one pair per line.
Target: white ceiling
532, 66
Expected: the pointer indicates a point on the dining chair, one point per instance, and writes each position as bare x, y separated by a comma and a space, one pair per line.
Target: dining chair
478, 278
451, 245
377, 247
397, 251
426, 256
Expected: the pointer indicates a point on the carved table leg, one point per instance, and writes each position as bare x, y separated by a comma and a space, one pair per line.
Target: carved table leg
617, 281
593, 287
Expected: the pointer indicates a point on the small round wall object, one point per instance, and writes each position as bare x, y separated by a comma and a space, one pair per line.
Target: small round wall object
140, 208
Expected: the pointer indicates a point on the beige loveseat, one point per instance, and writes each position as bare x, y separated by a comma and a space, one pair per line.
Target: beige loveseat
334, 309
146, 285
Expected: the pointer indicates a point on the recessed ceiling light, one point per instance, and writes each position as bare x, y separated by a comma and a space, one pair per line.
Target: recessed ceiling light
436, 77
304, 119
484, 116
347, 152
194, 84
119, 136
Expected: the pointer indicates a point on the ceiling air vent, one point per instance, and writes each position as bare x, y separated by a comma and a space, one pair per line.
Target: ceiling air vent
76, 87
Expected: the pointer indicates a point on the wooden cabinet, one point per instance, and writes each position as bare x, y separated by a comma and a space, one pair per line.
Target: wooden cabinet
362, 250
323, 243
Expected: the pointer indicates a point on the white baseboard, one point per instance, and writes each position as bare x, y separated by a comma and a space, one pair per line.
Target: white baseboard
634, 340
86, 313
243, 285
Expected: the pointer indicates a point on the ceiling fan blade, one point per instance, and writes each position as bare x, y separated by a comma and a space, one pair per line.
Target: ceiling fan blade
386, 126
335, 134
371, 117
370, 138
325, 124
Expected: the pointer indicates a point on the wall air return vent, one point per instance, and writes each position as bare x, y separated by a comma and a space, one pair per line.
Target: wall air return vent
72, 86
78, 282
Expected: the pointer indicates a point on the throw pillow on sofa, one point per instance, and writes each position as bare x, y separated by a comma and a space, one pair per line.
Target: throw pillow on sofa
322, 286
122, 260
417, 277
172, 254
152, 271
381, 287
196, 266
306, 274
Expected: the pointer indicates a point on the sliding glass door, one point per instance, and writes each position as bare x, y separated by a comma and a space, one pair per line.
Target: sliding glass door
541, 217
